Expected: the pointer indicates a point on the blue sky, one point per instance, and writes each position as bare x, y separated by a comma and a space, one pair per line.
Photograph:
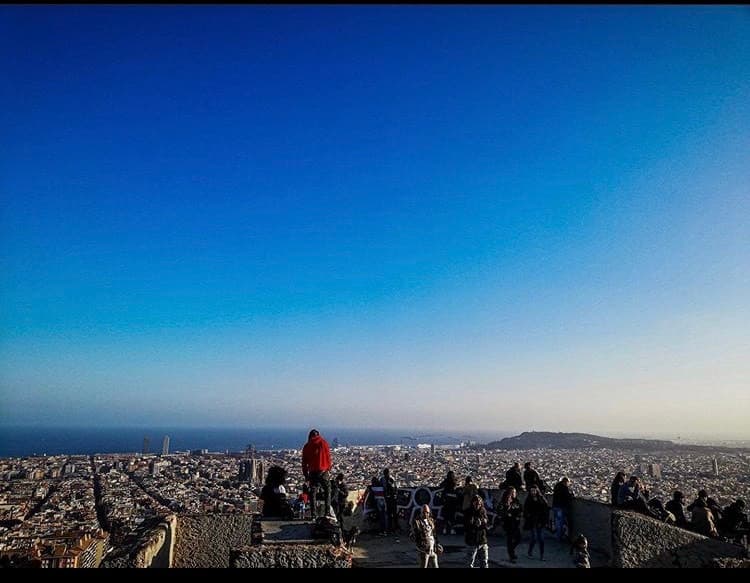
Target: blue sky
487, 217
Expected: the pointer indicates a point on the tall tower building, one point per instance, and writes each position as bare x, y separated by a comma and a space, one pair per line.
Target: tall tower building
165, 445
146, 443
715, 466
654, 470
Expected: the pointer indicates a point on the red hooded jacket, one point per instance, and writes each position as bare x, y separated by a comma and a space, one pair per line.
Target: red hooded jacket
316, 456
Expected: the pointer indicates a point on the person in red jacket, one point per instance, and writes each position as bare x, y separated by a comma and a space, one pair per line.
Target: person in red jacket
316, 466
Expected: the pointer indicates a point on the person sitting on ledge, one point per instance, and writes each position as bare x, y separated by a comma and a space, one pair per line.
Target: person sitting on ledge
273, 495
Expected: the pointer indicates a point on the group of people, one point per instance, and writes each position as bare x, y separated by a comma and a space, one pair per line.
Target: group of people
318, 488
534, 513
706, 516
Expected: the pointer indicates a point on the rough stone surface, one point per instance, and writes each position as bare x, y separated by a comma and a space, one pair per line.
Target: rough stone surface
291, 555
640, 541
154, 549
731, 563
205, 540
594, 521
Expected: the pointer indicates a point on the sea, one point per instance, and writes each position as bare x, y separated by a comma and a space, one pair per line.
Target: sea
20, 441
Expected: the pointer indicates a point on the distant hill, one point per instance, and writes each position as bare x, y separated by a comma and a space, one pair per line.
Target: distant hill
547, 439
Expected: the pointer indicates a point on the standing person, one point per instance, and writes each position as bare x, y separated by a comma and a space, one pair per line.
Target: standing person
316, 465
475, 532
562, 502
470, 490
531, 478
378, 493
536, 516
424, 534
303, 500
614, 489
511, 511
450, 501
390, 490
513, 477
342, 493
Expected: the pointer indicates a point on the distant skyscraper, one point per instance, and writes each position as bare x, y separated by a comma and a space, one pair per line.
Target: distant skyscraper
715, 466
256, 471
251, 471
165, 445
654, 470
146, 443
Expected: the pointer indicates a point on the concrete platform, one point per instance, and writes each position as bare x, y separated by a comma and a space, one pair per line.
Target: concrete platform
287, 532
399, 551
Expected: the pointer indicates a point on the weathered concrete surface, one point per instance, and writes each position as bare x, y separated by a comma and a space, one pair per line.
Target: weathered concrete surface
286, 531
205, 540
731, 563
280, 555
154, 549
640, 541
594, 521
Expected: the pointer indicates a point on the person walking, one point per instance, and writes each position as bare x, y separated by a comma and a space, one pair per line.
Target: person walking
475, 533
511, 511
536, 517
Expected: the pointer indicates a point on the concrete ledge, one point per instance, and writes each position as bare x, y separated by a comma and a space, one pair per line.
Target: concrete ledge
640, 541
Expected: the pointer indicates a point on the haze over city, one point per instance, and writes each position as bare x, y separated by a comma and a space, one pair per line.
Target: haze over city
487, 218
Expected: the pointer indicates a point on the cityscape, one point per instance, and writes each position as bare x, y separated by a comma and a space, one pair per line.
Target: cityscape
374, 286
76, 510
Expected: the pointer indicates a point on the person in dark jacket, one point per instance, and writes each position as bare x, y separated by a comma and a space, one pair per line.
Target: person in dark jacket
615, 487
511, 512
342, 493
390, 490
475, 533
710, 503
513, 478
677, 507
450, 501
316, 466
536, 517
734, 523
531, 478
562, 501
273, 494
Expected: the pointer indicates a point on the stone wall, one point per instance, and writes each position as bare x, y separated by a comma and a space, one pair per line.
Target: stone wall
640, 541
290, 555
205, 540
731, 563
153, 550
594, 521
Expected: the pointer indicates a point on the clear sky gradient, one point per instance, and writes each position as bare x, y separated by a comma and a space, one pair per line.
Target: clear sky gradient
490, 217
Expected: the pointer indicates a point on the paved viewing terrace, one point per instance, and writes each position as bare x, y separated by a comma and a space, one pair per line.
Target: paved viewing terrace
399, 551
